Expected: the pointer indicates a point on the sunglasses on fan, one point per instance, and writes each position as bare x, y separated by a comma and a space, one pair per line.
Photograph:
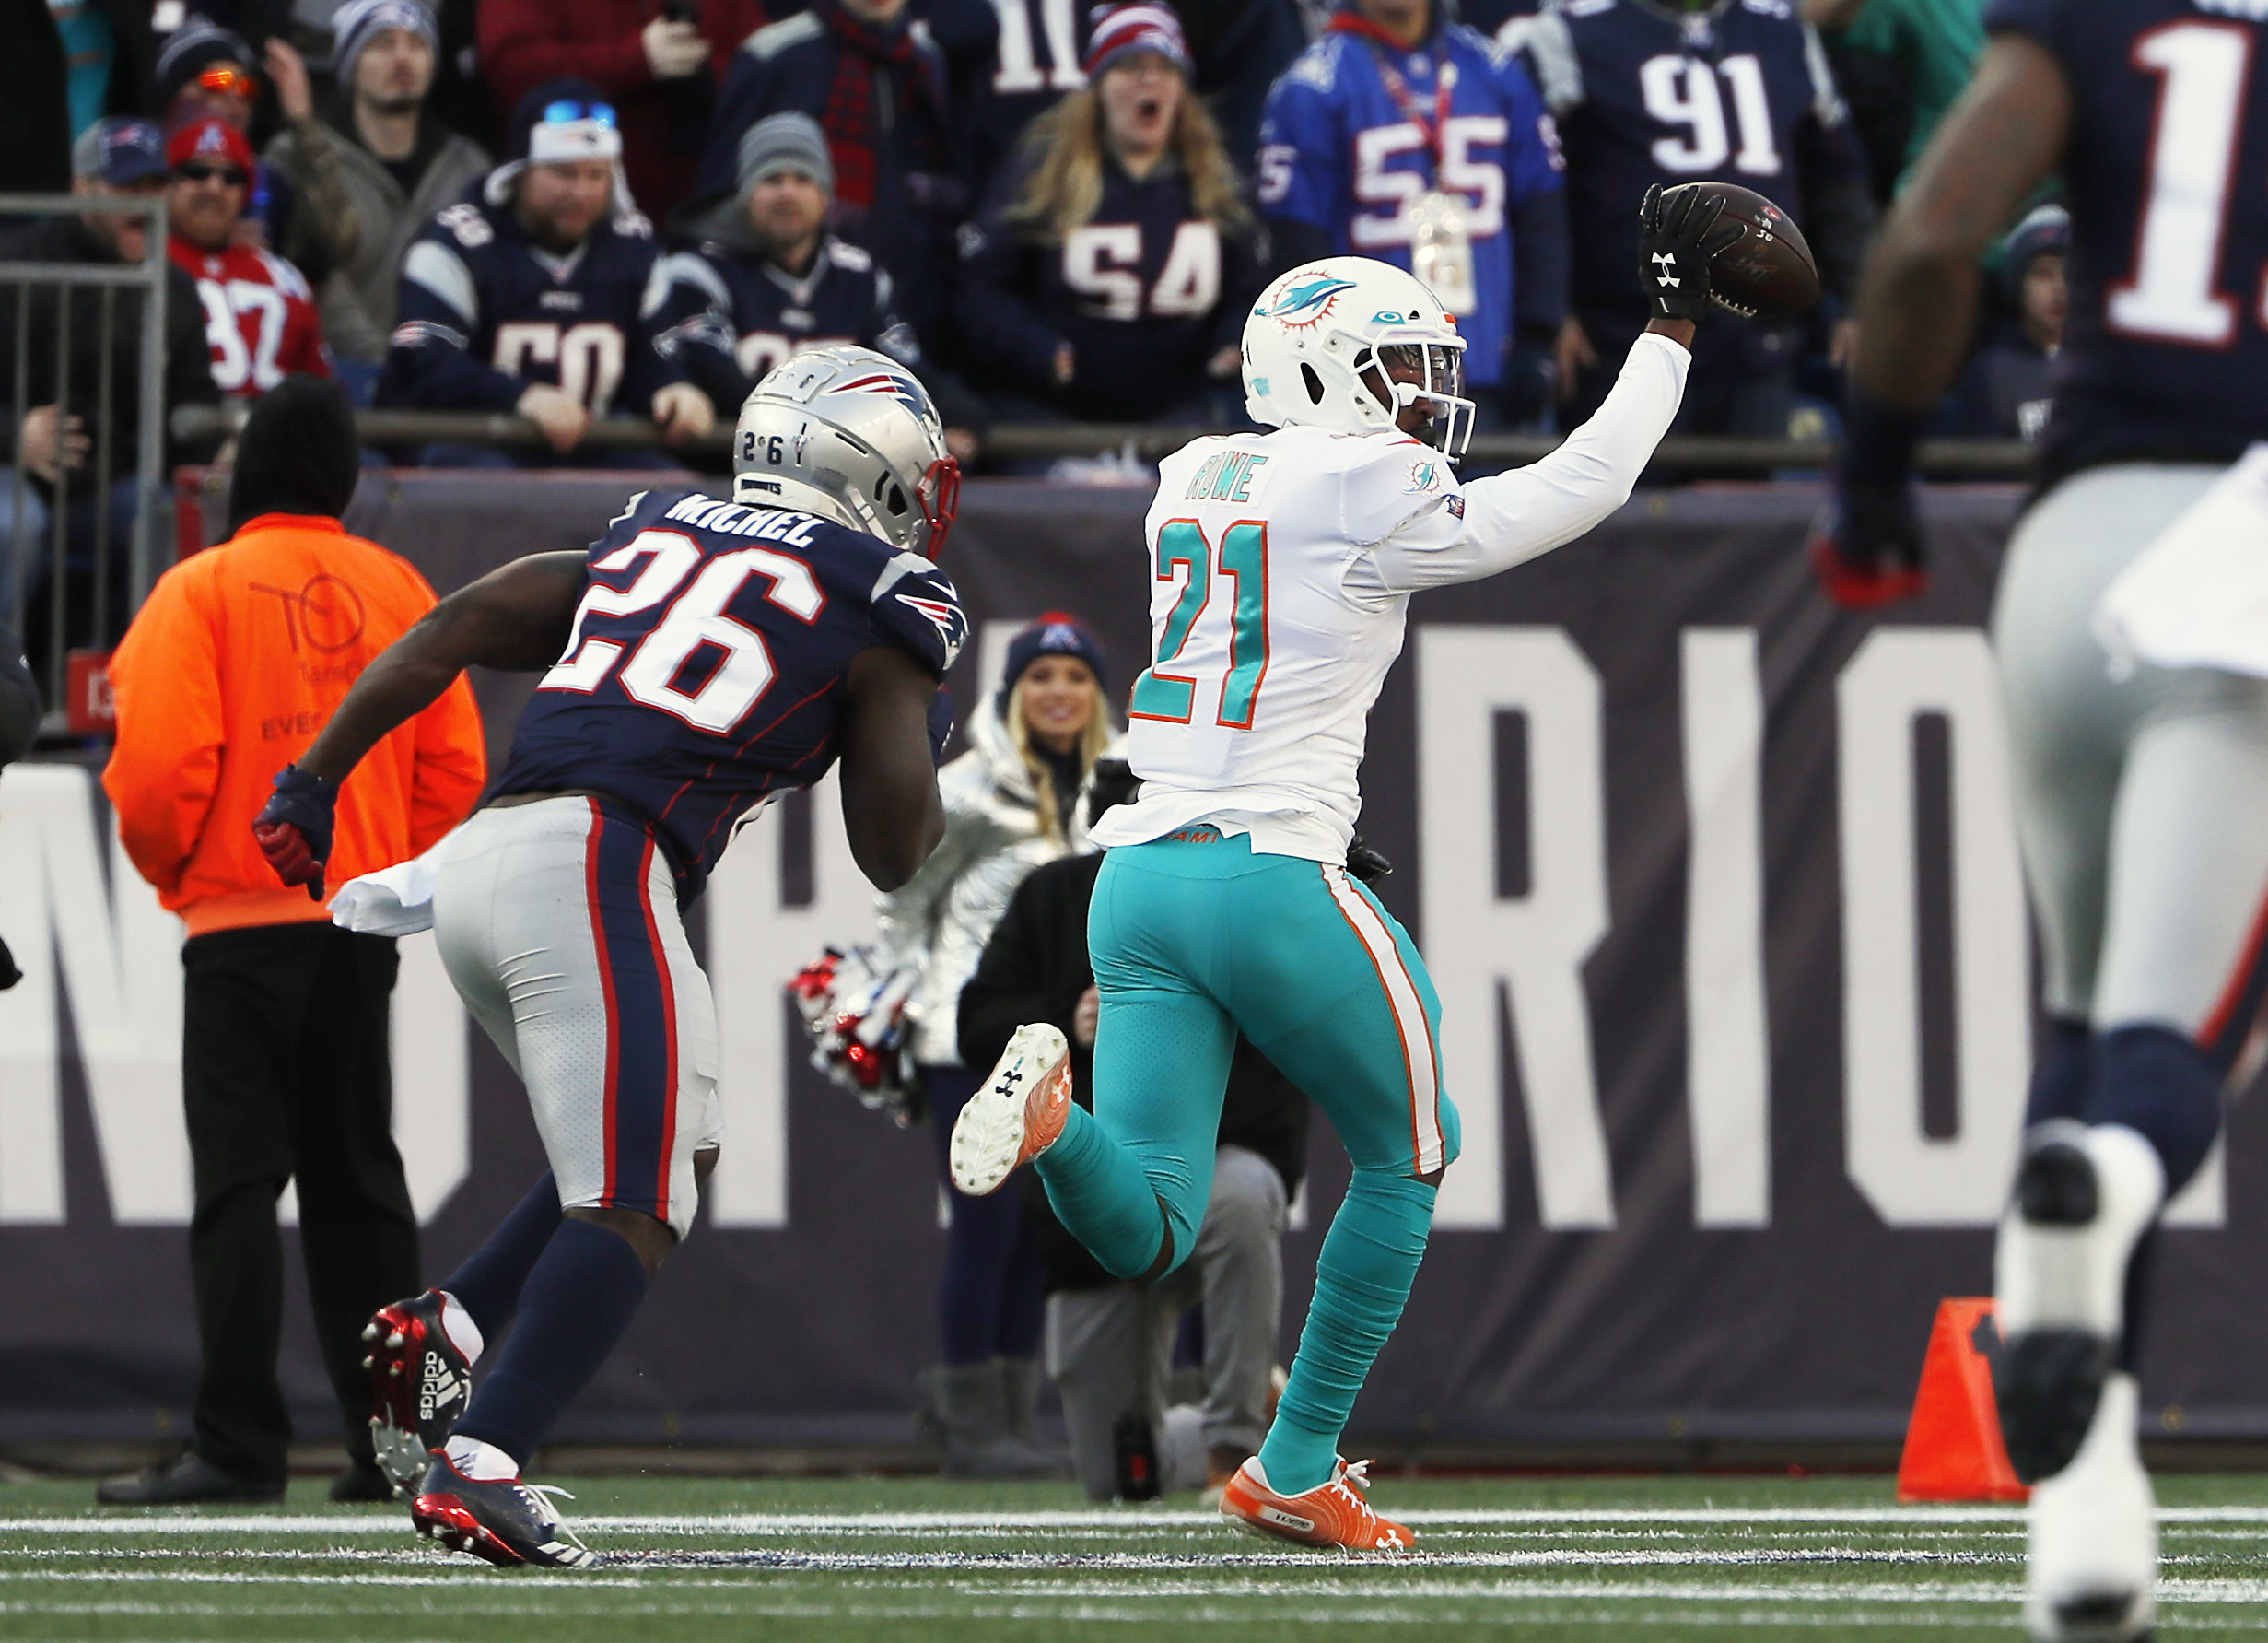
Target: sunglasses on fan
230, 81
196, 171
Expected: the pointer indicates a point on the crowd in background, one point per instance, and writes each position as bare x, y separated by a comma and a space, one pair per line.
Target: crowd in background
591, 209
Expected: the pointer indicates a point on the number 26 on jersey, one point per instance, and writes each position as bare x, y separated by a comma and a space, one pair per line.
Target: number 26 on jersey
1194, 656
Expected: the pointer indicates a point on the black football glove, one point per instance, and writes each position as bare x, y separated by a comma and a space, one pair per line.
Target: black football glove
941, 723
1675, 244
1867, 549
1365, 862
9, 974
294, 827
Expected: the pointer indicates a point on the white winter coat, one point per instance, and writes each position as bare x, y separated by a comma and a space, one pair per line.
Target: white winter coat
944, 914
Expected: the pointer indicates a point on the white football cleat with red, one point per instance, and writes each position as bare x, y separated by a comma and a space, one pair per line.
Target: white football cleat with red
1017, 1114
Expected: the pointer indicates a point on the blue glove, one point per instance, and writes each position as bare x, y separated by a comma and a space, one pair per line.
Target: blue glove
941, 723
294, 828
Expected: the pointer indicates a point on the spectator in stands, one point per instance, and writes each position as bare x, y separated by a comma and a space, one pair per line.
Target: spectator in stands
260, 319
2005, 391
533, 298
1110, 1343
769, 281
877, 87
656, 60
1933, 45
400, 165
1109, 275
19, 723
59, 446
238, 656
1404, 136
1012, 802
1644, 95
301, 212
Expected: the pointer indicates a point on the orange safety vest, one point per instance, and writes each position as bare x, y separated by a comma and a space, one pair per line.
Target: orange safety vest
236, 661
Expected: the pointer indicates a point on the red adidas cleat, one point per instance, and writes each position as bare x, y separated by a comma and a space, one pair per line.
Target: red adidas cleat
503, 1521
420, 1385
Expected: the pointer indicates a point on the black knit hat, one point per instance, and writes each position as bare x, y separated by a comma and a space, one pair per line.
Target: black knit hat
297, 454
1051, 633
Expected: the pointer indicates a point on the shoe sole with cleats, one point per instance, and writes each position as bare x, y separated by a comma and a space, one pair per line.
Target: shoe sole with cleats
419, 1386
1017, 1113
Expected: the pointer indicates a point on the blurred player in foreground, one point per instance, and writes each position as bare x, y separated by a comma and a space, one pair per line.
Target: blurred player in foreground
703, 655
2142, 799
1284, 564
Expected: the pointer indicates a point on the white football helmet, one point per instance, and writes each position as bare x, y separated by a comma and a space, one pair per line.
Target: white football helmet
1346, 344
851, 435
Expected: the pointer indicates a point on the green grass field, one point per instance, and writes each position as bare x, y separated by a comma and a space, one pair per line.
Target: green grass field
837, 1559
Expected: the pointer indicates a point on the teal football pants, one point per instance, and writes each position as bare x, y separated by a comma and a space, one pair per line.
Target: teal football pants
1193, 937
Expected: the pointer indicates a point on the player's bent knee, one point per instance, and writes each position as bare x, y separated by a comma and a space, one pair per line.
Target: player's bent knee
651, 1239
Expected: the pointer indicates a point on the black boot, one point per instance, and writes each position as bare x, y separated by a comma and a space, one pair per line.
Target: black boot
187, 1480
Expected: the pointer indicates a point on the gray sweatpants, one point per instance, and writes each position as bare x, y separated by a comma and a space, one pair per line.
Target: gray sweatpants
2141, 804
1110, 1351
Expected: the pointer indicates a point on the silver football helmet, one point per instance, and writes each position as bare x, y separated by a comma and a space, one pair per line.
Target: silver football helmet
851, 435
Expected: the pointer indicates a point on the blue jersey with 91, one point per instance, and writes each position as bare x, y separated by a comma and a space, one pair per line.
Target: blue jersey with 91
707, 663
1337, 152
2164, 353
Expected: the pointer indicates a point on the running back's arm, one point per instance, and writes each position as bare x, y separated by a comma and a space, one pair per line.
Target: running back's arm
1513, 517
516, 619
891, 809
1918, 302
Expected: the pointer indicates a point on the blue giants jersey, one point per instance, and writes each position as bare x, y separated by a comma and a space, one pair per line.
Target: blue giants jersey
2166, 350
485, 312
707, 663
1644, 93
1337, 152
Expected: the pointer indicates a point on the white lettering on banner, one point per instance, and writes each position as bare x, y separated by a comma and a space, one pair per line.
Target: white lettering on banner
755, 944
1532, 946
120, 970
1729, 1057
1912, 1179
117, 955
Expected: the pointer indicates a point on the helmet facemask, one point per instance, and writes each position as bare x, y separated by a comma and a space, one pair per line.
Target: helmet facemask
1429, 374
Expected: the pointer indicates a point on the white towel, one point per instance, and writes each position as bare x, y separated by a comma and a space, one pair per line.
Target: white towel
2198, 596
397, 900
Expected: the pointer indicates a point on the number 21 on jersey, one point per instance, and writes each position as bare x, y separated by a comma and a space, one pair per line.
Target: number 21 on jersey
1169, 689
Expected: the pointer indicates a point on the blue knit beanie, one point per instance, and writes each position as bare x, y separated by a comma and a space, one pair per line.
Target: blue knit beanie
1051, 633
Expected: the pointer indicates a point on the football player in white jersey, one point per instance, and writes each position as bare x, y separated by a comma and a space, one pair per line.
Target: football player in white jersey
1284, 565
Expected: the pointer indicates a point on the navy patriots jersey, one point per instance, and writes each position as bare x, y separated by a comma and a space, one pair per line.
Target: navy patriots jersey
1339, 152
484, 312
1145, 291
1644, 93
1041, 46
2165, 351
706, 667
727, 317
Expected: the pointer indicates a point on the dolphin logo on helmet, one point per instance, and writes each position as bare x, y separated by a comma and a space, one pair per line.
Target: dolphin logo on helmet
1308, 302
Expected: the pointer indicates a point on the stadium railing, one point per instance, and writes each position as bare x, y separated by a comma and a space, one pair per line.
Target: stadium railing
1941, 459
84, 294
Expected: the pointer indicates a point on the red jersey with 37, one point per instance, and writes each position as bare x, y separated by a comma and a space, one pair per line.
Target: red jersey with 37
259, 317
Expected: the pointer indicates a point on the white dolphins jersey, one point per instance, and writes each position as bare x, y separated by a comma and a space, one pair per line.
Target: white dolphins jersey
1281, 567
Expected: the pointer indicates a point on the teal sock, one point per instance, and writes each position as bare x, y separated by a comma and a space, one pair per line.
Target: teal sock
1102, 1194
1362, 1278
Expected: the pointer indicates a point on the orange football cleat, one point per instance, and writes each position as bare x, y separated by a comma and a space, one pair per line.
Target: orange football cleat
1019, 1112
1333, 1513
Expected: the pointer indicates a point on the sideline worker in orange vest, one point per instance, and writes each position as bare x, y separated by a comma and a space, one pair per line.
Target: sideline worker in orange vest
236, 661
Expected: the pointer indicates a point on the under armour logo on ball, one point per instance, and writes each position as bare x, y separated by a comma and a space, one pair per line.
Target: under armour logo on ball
1665, 262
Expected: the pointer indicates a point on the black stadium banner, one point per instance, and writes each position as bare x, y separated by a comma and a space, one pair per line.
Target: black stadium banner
1719, 886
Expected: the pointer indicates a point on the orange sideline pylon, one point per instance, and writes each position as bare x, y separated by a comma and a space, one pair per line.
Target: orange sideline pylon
1954, 1449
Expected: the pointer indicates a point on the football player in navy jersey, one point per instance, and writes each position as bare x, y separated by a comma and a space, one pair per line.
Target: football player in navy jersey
1109, 275
1670, 91
703, 656
2139, 792
1398, 119
768, 280
539, 295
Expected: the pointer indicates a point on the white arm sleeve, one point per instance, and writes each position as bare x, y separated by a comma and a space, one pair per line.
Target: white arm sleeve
1511, 518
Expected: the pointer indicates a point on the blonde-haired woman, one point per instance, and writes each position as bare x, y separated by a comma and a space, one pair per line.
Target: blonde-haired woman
1109, 277
1012, 802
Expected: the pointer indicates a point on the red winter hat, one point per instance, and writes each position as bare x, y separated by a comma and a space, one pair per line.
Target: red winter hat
209, 139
